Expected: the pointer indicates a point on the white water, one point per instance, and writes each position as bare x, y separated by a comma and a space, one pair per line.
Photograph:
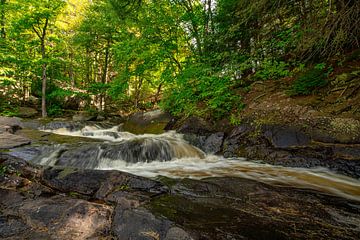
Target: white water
320, 179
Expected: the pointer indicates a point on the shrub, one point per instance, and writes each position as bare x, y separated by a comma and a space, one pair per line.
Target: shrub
309, 81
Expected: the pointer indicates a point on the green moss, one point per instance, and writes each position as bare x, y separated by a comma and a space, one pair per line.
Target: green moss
3, 170
121, 188
65, 172
153, 128
74, 194
166, 181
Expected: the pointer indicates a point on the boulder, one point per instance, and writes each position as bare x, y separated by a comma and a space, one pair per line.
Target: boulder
139, 224
213, 143
83, 117
285, 137
27, 112
195, 125
155, 116
147, 122
10, 124
8, 141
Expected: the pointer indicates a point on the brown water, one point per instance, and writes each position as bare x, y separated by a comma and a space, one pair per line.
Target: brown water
178, 159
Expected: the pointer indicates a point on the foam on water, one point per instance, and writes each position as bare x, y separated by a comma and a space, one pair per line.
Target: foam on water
187, 163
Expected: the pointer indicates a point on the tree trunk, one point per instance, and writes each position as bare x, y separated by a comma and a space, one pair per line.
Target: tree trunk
43, 91
44, 66
3, 20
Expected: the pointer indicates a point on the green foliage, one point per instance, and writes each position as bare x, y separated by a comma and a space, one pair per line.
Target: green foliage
202, 92
309, 81
272, 70
3, 170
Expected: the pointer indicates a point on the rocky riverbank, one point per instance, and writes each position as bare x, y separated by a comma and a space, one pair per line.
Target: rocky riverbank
66, 203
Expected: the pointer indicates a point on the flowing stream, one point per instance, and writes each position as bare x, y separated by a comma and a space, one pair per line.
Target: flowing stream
170, 155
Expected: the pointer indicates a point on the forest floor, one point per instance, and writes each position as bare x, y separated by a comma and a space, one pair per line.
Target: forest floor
340, 98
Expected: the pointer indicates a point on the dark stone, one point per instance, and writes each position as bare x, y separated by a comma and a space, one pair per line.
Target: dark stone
12, 227
195, 125
138, 224
8, 141
85, 182
98, 183
214, 143
256, 210
196, 140
71, 126
285, 137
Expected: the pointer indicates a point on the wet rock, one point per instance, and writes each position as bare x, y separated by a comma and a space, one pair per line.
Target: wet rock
11, 227
84, 116
139, 224
285, 137
214, 143
195, 125
27, 112
8, 141
196, 140
98, 183
176, 233
19, 166
71, 126
147, 122
257, 211
292, 147
10, 124
100, 118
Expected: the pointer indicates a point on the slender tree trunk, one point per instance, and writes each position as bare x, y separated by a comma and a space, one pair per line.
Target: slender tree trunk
44, 67
3, 20
71, 70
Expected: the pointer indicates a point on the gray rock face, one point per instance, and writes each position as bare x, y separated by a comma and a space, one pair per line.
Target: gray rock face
285, 137
74, 204
155, 116
214, 143
38, 203
97, 182
292, 147
139, 224
10, 124
8, 141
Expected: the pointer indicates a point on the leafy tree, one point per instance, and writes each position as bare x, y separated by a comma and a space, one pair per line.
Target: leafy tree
39, 16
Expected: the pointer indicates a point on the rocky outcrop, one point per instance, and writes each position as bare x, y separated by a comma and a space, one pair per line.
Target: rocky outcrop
325, 142
294, 146
200, 133
53, 203
8, 140
9, 124
153, 122
68, 203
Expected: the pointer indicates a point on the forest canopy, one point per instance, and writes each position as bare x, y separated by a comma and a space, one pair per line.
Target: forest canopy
190, 57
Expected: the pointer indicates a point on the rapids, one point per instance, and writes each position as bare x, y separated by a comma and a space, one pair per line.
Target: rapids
170, 155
